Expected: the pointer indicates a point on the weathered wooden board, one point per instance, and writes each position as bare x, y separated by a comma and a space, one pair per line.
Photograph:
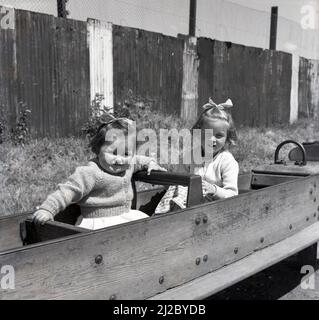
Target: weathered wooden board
10, 231
51, 230
291, 169
176, 247
216, 281
265, 180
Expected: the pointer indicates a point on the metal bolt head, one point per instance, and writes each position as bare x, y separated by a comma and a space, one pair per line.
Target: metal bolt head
98, 259
197, 220
205, 258
236, 250
311, 191
113, 297
315, 199
161, 279
262, 239
307, 219
197, 261
290, 226
205, 219
314, 215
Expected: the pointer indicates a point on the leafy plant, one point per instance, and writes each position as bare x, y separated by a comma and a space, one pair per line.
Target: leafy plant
20, 134
98, 114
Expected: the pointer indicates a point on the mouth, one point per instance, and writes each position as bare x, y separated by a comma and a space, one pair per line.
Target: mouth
119, 167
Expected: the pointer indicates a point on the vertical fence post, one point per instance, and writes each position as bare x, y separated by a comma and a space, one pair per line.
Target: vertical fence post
192, 18
190, 79
62, 12
273, 28
100, 40
294, 89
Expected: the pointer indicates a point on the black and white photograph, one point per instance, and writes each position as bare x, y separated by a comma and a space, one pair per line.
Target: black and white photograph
159, 151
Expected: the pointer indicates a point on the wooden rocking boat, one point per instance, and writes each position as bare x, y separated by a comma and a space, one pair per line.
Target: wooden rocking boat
187, 254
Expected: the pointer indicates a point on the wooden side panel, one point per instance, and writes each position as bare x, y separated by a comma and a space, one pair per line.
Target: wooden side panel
178, 246
10, 231
100, 42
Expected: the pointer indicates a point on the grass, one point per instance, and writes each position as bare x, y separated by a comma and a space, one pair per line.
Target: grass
28, 174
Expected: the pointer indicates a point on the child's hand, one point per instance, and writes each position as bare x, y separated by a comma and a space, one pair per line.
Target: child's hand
154, 166
208, 188
42, 216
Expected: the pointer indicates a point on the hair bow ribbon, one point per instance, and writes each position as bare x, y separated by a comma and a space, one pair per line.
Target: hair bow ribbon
227, 104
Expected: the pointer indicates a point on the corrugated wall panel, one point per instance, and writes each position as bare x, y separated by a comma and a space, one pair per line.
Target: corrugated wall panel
71, 76
149, 64
8, 74
101, 60
258, 81
34, 55
308, 93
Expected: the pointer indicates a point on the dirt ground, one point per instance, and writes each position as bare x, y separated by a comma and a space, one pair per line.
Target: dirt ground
281, 281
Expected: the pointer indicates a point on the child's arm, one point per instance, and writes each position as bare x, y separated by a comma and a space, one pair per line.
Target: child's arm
143, 162
78, 185
230, 182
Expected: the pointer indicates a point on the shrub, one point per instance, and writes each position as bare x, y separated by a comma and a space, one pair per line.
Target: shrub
98, 114
20, 134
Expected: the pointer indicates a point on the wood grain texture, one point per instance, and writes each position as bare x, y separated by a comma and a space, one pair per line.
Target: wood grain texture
137, 254
290, 169
10, 231
216, 281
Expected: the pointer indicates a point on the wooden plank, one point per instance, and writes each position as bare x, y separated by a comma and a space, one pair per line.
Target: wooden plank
10, 231
266, 180
216, 281
174, 246
190, 79
48, 231
290, 169
100, 41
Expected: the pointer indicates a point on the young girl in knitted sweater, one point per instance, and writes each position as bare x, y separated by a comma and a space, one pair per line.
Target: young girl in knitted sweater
220, 170
103, 187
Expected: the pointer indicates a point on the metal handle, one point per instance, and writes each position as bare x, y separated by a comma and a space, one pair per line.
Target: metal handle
300, 146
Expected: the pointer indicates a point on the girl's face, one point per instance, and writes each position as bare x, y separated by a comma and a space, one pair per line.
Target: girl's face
218, 139
116, 157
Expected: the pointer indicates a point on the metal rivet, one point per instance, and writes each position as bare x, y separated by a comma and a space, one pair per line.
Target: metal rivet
205, 258
197, 261
311, 191
98, 259
307, 219
262, 239
290, 226
315, 199
236, 250
205, 219
113, 297
315, 185
197, 220
314, 214
161, 279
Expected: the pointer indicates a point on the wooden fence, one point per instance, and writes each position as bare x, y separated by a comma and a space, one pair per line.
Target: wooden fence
55, 66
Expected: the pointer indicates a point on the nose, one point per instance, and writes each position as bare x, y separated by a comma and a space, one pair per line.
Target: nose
214, 140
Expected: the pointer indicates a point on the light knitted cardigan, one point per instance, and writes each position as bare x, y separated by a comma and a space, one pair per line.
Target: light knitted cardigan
97, 192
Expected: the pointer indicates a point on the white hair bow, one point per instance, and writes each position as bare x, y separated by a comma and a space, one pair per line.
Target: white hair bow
221, 106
